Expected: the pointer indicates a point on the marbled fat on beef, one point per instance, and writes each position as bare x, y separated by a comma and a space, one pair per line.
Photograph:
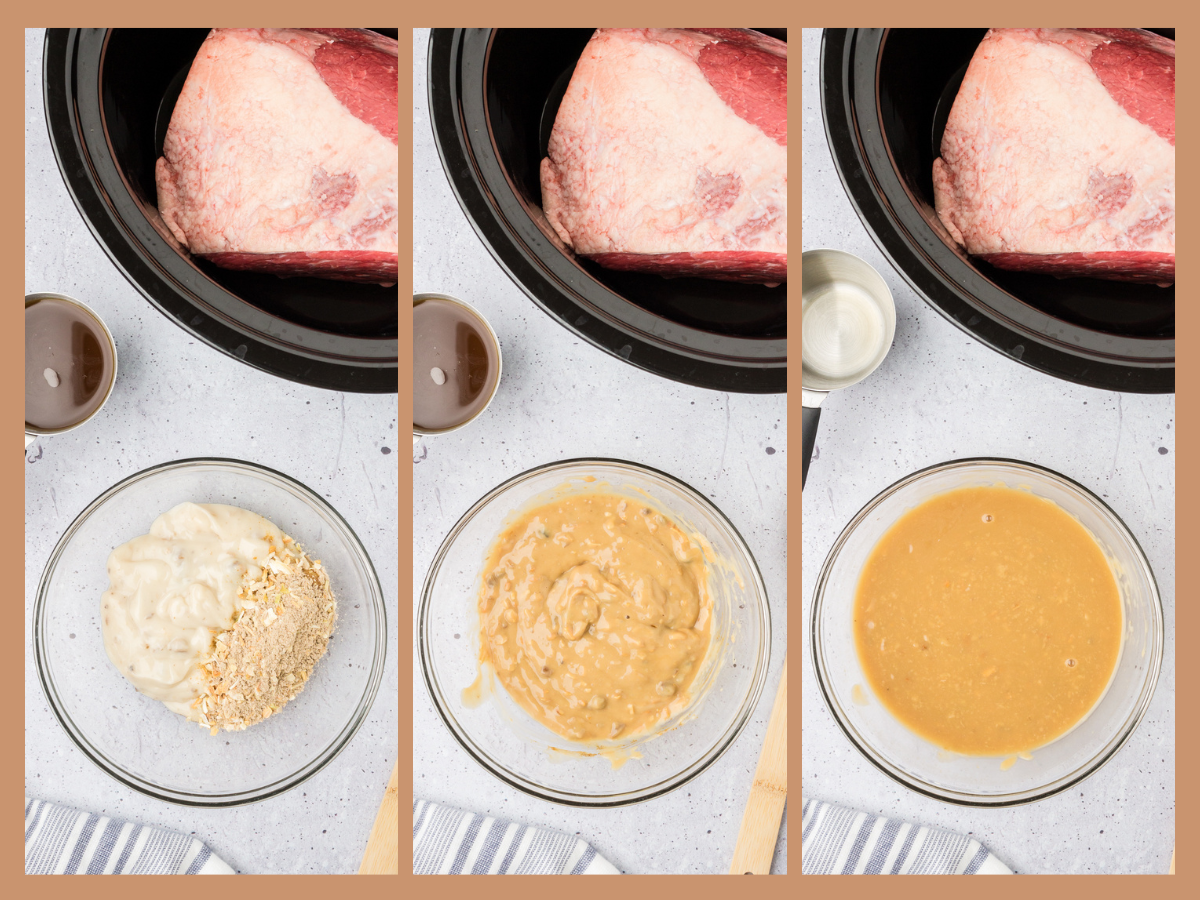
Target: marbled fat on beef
669, 154
1059, 154
281, 155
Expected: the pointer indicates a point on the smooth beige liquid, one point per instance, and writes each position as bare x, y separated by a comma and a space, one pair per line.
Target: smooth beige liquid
988, 621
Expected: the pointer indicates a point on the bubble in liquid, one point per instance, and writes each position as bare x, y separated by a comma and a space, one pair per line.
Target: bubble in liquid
1070, 663
987, 517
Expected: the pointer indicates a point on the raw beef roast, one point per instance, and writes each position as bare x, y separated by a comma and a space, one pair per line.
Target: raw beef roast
281, 155
1059, 154
669, 154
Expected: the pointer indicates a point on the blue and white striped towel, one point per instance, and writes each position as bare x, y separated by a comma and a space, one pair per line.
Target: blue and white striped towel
839, 841
448, 841
64, 841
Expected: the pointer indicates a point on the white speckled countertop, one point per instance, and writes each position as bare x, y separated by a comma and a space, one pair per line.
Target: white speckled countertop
174, 398
561, 398
939, 395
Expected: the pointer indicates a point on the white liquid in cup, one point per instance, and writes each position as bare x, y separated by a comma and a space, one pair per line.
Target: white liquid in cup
844, 331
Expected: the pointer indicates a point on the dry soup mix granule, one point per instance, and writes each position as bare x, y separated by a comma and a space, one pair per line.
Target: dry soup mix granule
264, 659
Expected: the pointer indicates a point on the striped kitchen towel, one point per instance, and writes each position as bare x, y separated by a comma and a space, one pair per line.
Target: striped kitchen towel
448, 841
64, 841
839, 841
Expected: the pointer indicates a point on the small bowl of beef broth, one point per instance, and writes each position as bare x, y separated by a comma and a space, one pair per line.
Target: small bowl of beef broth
886, 97
70, 364
494, 97
456, 364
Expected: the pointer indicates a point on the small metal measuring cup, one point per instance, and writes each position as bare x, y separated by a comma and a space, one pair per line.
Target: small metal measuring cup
848, 322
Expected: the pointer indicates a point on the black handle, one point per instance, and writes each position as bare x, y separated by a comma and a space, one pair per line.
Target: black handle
809, 419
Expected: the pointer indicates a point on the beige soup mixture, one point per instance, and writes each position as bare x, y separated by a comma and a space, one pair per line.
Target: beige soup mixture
595, 615
988, 621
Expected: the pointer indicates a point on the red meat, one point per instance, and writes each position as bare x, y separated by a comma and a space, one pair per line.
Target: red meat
281, 155
1059, 154
669, 154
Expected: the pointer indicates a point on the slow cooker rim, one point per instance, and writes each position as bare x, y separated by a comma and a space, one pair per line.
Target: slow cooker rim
476, 195
109, 156
87, 187
1003, 298
843, 134
517, 232
882, 180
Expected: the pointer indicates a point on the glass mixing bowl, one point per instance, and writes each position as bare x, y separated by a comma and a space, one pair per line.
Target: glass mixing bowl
973, 780
508, 742
137, 740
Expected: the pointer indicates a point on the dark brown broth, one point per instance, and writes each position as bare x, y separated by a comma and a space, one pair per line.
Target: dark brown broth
450, 337
61, 336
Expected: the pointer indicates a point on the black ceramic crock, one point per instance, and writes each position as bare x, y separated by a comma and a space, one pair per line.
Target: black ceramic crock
493, 96
885, 97
109, 94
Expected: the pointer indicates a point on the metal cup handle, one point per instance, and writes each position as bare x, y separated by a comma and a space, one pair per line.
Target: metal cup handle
809, 419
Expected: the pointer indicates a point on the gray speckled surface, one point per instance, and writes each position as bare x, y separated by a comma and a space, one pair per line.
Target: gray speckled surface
940, 395
176, 397
559, 398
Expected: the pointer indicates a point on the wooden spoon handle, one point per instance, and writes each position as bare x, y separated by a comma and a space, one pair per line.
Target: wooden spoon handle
383, 847
764, 810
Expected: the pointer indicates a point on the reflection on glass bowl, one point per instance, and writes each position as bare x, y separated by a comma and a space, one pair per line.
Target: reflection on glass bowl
511, 745
971, 780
